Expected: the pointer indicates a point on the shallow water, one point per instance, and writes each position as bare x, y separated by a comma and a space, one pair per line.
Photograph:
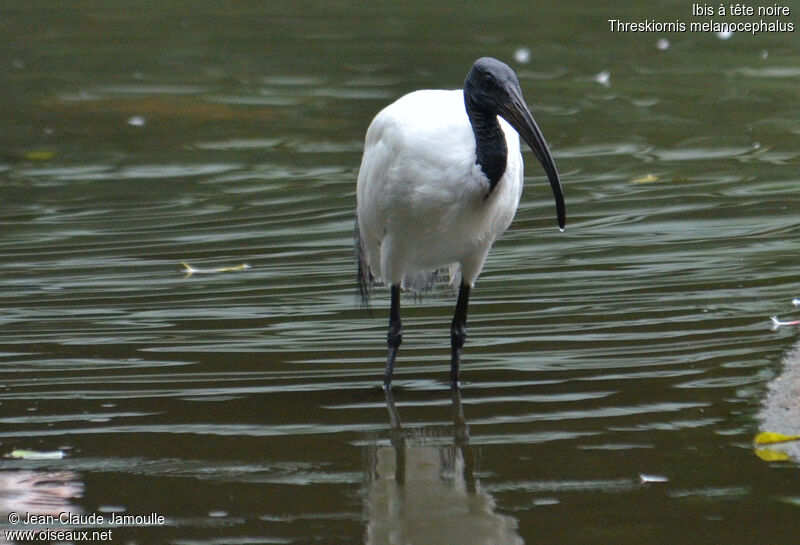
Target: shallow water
613, 373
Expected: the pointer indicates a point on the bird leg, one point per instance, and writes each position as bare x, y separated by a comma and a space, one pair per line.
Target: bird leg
394, 337
398, 439
458, 333
461, 440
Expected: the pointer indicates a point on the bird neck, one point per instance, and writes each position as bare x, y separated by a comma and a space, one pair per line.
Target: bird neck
491, 150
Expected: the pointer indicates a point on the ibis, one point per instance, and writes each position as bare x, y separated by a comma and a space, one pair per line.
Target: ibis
440, 180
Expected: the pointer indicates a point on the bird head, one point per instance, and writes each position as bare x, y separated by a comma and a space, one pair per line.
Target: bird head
493, 87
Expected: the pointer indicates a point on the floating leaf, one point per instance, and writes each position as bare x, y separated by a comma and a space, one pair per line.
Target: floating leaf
189, 270
40, 155
770, 438
646, 179
769, 455
22, 454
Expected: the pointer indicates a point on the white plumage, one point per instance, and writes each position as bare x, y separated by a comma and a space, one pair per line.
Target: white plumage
422, 198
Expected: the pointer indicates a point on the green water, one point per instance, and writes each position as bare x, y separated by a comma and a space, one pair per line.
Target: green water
613, 373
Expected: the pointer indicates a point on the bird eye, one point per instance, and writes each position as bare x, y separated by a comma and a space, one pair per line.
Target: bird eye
488, 79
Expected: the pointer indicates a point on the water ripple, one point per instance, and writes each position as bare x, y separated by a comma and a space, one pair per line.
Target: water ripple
637, 342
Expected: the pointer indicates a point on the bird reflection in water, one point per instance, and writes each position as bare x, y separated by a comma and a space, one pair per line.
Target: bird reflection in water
420, 490
38, 492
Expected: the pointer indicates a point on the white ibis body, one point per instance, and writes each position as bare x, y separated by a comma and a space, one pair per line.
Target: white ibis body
440, 181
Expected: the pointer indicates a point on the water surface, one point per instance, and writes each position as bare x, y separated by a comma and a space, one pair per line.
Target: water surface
613, 373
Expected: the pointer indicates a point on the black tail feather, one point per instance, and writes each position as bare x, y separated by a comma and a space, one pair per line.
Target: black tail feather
364, 276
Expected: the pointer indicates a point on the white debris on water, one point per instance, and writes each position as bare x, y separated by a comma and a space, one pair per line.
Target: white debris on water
522, 55
645, 478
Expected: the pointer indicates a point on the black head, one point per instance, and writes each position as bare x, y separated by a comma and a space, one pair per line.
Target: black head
492, 87
489, 84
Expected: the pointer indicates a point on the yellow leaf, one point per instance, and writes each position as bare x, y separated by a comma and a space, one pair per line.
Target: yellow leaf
649, 178
189, 270
771, 455
40, 155
35, 454
769, 438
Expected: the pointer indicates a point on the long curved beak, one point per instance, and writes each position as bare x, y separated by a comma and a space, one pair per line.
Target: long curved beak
516, 112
